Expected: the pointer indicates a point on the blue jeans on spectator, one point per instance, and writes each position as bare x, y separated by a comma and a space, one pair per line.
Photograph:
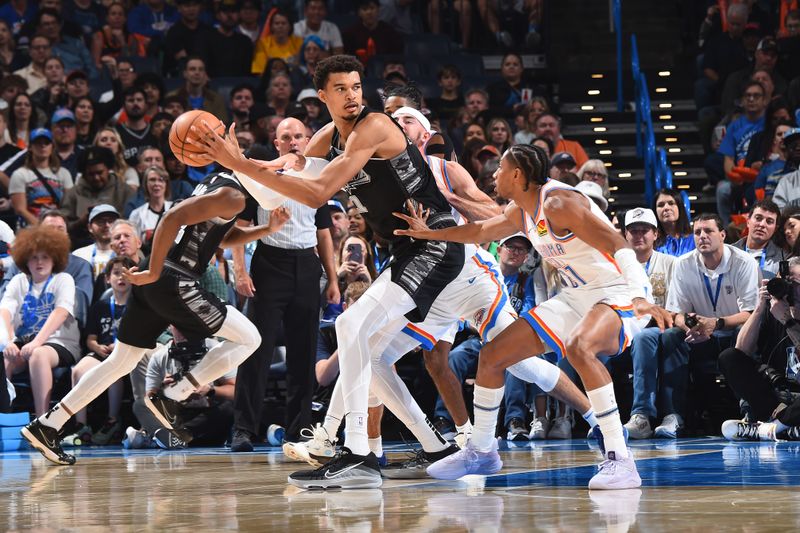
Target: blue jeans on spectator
463, 361
663, 355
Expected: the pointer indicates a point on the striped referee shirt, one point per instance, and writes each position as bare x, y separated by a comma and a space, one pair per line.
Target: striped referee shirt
300, 231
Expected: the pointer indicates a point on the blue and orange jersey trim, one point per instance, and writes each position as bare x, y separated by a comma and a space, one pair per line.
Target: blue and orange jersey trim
624, 311
425, 339
443, 167
545, 333
499, 300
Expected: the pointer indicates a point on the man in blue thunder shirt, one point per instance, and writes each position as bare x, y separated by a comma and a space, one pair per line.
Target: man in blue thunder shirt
737, 140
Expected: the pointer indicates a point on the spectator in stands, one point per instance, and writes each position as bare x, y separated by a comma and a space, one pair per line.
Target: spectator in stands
180, 187
279, 94
114, 40
477, 101
736, 142
98, 185
153, 86
356, 262
185, 38
513, 91
125, 240
160, 125
545, 144
7, 153
155, 184
276, 41
549, 125
65, 135
464, 10
469, 157
724, 54
356, 224
371, 36
641, 232
152, 18
762, 223
11, 58
174, 105
789, 47
97, 254
450, 99
314, 23
136, 133
499, 133
674, 230
762, 143
766, 57
315, 116
41, 181
787, 191
127, 73
37, 311
595, 170
101, 335
17, 13
562, 163
791, 229
38, 50
249, 13
109, 138
85, 123
196, 92
71, 50
535, 107
475, 131
10, 86
226, 51
242, 100
22, 120
311, 53
773, 166
339, 229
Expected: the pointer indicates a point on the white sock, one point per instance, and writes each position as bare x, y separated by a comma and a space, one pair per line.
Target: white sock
55, 417
486, 403
466, 428
428, 436
376, 446
355, 428
605, 406
590, 418
331, 425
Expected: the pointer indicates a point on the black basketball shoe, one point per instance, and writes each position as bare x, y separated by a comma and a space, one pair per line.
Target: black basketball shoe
48, 441
415, 467
345, 471
167, 411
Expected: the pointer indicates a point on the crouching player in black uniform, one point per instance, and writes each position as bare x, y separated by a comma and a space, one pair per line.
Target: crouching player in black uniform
166, 291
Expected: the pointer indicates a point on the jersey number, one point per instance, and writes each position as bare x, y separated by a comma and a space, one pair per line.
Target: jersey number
570, 278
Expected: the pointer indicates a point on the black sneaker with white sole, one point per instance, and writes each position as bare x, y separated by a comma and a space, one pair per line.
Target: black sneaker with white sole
345, 471
48, 441
168, 440
166, 410
415, 467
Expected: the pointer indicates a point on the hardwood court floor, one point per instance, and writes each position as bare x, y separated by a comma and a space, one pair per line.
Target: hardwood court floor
689, 485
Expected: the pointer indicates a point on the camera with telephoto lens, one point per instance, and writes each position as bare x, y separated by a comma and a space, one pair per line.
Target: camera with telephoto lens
778, 382
187, 353
783, 286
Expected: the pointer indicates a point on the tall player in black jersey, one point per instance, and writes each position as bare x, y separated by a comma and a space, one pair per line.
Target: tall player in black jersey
373, 161
167, 292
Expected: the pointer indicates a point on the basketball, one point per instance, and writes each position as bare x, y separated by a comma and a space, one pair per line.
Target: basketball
181, 131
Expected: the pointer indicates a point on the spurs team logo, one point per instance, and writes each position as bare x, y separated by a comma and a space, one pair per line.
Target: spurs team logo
541, 228
362, 178
479, 316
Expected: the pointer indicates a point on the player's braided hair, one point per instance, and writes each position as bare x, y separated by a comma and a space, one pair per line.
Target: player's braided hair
532, 161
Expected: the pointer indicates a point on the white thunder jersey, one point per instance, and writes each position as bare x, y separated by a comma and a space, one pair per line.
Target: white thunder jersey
579, 265
438, 167
589, 277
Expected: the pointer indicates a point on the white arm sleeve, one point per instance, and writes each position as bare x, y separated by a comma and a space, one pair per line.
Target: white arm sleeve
269, 199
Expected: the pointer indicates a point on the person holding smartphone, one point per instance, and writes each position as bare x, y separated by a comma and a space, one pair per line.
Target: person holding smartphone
355, 262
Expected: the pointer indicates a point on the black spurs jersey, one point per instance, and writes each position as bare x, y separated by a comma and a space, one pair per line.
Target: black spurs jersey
383, 186
196, 244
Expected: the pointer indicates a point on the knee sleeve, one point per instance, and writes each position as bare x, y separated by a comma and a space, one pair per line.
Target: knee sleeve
239, 329
537, 370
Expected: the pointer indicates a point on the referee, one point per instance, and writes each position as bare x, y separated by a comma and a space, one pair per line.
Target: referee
284, 283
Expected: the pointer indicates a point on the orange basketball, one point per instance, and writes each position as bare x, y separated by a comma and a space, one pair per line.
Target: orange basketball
181, 130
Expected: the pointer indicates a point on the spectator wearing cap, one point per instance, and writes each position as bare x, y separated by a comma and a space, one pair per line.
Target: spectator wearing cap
641, 232
561, 163
71, 50
152, 18
316, 114
762, 222
40, 183
314, 23
549, 125
736, 142
595, 170
99, 252
97, 184
185, 38
65, 135
76, 86
787, 190
276, 41
196, 92
38, 50
595, 194
226, 51
249, 14
114, 40
340, 226
765, 58
370, 35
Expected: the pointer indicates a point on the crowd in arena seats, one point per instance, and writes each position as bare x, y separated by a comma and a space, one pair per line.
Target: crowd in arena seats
89, 90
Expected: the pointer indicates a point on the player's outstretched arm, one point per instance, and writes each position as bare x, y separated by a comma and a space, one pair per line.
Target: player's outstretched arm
569, 211
467, 198
503, 225
239, 235
225, 202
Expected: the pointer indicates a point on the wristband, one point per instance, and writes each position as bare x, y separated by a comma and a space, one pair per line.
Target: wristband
632, 271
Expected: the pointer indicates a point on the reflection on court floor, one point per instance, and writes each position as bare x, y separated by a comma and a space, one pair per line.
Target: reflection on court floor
689, 483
